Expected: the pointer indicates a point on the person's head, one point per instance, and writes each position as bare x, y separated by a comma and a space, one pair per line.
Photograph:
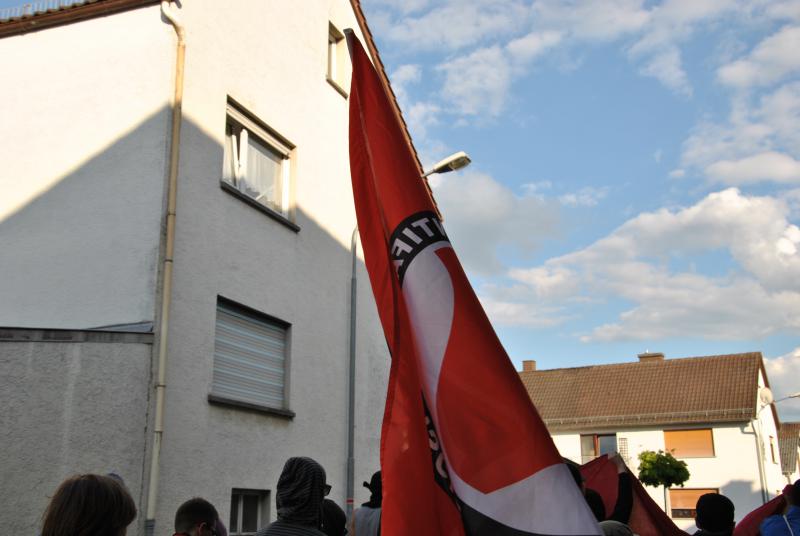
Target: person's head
375, 486
301, 488
714, 513
196, 517
793, 497
615, 528
595, 502
333, 519
576, 474
89, 505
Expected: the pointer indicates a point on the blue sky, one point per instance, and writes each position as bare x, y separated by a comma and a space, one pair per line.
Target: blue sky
636, 169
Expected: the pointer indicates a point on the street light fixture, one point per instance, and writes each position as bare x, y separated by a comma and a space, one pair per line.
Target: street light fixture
451, 163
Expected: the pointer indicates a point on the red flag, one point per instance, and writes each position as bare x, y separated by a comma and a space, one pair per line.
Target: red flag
750, 524
463, 451
647, 518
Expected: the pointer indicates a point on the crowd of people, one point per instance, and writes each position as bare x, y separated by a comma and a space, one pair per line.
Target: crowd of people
100, 505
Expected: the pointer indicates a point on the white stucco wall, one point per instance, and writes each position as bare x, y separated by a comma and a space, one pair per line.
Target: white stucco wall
271, 58
68, 408
82, 144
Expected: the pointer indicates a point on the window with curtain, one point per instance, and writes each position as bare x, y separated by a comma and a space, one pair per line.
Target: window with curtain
697, 443
250, 357
256, 161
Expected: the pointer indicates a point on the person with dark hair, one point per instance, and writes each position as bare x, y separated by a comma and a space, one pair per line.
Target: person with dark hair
333, 519
787, 524
366, 521
300, 492
196, 517
89, 505
714, 515
615, 528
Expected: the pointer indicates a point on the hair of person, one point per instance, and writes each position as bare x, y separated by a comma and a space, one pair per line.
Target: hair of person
89, 505
793, 497
595, 502
715, 512
615, 528
575, 472
193, 512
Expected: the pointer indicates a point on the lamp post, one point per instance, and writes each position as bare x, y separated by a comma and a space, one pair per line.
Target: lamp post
453, 162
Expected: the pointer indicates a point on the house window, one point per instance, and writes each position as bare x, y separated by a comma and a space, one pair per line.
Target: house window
250, 358
594, 445
257, 161
690, 443
249, 511
683, 501
337, 60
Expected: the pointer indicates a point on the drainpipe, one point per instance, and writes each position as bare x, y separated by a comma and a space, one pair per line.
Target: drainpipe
762, 477
166, 290
351, 395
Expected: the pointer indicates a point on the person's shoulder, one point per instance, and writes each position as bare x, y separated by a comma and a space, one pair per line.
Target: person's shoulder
771, 522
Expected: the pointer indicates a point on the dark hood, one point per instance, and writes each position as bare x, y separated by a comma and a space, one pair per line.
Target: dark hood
300, 492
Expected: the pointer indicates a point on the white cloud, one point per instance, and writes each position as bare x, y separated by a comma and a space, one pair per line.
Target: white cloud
477, 83
759, 142
456, 25
760, 297
533, 45
770, 165
783, 373
594, 20
585, 197
666, 68
483, 216
771, 60
677, 173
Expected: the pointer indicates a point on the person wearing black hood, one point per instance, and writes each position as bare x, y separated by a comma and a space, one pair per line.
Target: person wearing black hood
300, 492
366, 521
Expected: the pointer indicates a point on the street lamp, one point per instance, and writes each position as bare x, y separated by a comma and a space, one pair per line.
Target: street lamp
453, 162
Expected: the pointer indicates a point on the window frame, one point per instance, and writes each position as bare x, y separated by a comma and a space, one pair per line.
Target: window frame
681, 457
216, 398
692, 513
238, 118
596, 443
335, 56
262, 513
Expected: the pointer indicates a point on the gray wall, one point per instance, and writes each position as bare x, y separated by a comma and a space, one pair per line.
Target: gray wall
68, 408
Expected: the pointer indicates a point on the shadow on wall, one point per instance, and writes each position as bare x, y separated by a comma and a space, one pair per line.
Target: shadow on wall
746, 496
85, 253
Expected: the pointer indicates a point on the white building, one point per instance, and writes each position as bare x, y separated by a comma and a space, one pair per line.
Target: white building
705, 410
256, 345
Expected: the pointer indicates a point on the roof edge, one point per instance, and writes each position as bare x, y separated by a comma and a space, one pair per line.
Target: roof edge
77, 13
638, 363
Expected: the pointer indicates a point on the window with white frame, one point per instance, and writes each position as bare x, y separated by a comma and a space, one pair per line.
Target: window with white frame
250, 358
257, 161
337, 59
249, 511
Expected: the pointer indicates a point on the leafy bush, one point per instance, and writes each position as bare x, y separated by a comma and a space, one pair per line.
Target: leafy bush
661, 469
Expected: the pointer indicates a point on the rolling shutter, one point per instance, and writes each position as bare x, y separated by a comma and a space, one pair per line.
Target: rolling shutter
249, 357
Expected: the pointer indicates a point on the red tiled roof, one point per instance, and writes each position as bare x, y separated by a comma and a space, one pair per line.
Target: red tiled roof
789, 443
32, 16
720, 388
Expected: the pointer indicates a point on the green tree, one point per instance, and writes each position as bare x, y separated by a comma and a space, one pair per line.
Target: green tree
662, 469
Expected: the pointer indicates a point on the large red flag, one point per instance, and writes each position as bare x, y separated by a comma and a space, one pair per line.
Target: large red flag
463, 451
